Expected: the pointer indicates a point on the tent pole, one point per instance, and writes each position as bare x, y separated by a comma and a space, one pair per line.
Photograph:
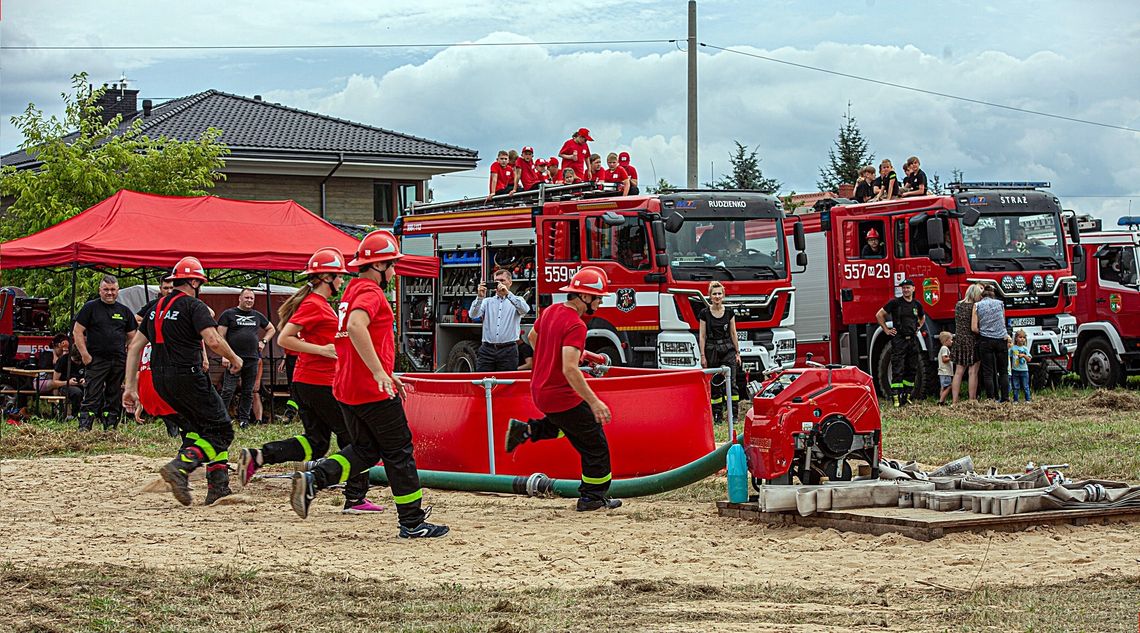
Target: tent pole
74, 282
272, 364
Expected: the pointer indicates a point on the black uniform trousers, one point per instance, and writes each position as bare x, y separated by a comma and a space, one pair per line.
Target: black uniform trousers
994, 355
103, 391
496, 357
588, 438
247, 376
379, 430
720, 354
904, 362
321, 416
201, 416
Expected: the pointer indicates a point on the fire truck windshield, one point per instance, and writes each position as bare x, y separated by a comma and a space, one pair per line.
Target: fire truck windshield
708, 248
1015, 241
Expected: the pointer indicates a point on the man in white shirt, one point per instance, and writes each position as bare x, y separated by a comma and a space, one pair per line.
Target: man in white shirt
502, 315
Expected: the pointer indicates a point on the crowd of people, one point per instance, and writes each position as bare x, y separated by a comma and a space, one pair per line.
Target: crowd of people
520, 171
885, 186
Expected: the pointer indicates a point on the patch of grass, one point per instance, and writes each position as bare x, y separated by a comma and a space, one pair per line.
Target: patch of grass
1097, 432
141, 599
51, 438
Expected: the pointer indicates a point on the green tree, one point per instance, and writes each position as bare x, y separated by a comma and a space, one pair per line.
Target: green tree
746, 173
936, 187
84, 160
851, 152
662, 186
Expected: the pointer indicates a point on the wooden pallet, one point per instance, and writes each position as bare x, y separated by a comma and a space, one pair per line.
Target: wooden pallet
922, 524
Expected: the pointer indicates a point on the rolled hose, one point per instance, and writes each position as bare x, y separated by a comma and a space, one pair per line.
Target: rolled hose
539, 485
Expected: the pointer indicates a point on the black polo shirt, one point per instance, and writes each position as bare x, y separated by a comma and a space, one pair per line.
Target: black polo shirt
913, 181
184, 318
242, 327
904, 315
864, 191
107, 327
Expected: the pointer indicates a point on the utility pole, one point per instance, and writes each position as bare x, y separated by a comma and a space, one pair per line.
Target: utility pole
691, 154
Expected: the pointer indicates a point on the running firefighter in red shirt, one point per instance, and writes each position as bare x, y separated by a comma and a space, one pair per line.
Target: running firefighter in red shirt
560, 391
369, 393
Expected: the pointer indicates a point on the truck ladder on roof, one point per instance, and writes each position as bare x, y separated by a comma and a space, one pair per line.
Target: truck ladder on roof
1019, 184
534, 197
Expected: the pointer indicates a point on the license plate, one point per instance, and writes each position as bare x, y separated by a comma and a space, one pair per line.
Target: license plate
1023, 322
741, 336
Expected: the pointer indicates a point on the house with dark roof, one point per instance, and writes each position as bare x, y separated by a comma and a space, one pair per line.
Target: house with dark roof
339, 169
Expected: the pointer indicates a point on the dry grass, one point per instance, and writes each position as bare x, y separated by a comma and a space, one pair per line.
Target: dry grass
77, 598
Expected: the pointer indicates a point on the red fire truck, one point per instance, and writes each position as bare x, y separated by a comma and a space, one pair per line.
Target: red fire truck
1108, 302
1007, 235
25, 326
660, 252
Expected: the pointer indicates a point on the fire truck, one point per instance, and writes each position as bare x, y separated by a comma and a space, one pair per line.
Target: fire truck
25, 326
1108, 302
1006, 235
660, 252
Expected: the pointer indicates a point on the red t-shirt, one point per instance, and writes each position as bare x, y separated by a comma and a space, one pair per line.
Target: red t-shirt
617, 174
318, 326
558, 326
354, 383
631, 170
506, 175
583, 152
528, 175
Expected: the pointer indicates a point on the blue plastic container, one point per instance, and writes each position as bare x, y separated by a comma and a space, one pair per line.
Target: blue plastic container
737, 467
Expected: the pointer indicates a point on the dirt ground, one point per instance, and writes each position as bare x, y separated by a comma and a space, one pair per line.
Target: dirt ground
94, 511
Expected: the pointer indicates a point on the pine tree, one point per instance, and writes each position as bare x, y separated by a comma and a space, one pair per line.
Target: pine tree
746, 173
851, 152
662, 186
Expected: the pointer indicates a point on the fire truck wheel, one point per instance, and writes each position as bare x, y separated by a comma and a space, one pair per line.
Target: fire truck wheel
925, 376
461, 359
610, 352
1099, 366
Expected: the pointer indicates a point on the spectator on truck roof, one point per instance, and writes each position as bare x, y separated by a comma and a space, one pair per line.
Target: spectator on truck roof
887, 184
864, 185
575, 153
915, 182
502, 175
614, 173
526, 176
623, 160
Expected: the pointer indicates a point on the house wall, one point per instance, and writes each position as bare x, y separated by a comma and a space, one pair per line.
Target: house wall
347, 199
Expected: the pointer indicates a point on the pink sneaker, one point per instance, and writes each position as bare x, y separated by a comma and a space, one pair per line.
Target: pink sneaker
363, 507
247, 465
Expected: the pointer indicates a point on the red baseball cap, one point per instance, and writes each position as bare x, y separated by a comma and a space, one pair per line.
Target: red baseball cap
623, 158
553, 160
585, 133
528, 149
541, 162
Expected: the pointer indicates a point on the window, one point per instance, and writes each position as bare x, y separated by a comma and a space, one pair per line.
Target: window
918, 245
391, 197
900, 237
869, 242
625, 244
563, 243
1117, 265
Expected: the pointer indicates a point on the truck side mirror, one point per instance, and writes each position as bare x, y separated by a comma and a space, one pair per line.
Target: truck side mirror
970, 216
801, 259
657, 228
613, 219
798, 237
662, 260
936, 254
674, 222
1074, 230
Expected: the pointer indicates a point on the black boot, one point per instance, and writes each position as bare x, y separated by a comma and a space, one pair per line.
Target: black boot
85, 421
177, 472
217, 482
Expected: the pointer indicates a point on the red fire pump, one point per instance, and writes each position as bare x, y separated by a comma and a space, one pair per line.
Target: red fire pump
807, 422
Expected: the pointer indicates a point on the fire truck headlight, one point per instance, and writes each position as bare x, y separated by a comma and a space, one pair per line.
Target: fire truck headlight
1007, 283
1049, 281
1038, 282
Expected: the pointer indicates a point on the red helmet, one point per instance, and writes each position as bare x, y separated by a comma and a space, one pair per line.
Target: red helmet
872, 234
376, 247
589, 280
326, 260
187, 268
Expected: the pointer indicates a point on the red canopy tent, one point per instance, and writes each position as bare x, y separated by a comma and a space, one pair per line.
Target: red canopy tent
132, 229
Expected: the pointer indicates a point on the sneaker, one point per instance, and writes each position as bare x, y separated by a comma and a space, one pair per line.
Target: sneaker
517, 433
303, 492
424, 530
588, 505
179, 481
363, 506
247, 465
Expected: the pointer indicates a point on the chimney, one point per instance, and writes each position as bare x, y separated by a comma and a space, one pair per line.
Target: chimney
147, 105
117, 100
257, 97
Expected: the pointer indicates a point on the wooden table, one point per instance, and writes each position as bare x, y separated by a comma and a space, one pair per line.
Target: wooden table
30, 376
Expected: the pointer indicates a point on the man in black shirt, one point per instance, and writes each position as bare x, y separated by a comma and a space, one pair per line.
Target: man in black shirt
526, 355
102, 330
176, 327
907, 319
247, 332
915, 182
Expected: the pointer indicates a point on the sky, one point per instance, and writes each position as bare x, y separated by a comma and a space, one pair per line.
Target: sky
1072, 60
